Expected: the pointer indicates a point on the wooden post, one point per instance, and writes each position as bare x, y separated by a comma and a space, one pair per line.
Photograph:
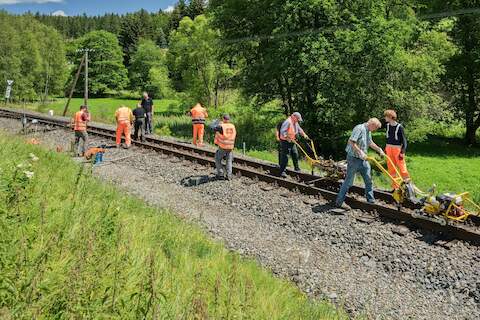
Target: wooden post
85, 102
73, 86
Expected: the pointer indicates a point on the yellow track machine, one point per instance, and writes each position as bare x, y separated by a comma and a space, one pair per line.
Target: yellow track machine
439, 208
333, 170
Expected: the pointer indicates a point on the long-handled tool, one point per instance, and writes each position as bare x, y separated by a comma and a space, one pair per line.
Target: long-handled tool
404, 189
334, 170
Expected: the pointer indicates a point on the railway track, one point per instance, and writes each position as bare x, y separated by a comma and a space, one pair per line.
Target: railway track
308, 184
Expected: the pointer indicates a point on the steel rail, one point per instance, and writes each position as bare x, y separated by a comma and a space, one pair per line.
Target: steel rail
261, 171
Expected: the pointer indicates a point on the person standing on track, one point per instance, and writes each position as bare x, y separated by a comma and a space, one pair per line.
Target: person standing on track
199, 115
139, 124
357, 148
124, 117
148, 106
79, 122
288, 135
225, 134
396, 147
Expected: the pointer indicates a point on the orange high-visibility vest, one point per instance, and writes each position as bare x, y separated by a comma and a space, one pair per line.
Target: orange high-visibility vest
291, 134
78, 122
124, 114
198, 114
226, 141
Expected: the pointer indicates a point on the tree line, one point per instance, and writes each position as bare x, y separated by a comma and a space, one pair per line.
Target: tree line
336, 62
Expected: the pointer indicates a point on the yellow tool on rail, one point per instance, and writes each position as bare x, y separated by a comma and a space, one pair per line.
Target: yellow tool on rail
332, 168
450, 206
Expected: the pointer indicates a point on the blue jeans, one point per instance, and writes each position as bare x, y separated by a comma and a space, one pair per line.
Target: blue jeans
355, 165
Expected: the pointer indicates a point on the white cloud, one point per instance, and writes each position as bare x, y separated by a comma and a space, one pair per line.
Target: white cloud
168, 9
28, 1
60, 13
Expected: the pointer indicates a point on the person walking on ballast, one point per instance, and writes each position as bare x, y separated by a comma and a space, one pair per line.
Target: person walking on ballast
357, 148
225, 135
79, 122
288, 135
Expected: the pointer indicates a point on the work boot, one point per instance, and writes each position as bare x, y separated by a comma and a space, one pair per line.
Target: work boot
298, 170
284, 175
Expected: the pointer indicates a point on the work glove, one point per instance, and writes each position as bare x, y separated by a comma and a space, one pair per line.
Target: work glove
382, 154
401, 156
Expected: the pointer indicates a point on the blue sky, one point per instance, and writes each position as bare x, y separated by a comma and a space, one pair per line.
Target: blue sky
90, 7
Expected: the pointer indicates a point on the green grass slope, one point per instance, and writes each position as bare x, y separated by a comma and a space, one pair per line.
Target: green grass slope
75, 248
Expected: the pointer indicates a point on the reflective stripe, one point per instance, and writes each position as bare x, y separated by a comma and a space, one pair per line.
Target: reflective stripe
198, 114
396, 131
198, 121
226, 140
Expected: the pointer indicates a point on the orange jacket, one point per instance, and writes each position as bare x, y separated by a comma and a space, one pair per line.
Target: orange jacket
226, 140
124, 114
198, 114
80, 120
291, 133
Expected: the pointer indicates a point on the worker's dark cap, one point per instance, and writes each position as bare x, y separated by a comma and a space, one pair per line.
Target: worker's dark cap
226, 117
83, 107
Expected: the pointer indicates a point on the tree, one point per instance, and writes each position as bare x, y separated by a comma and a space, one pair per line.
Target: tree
148, 69
463, 77
106, 69
337, 62
195, 61
33, 55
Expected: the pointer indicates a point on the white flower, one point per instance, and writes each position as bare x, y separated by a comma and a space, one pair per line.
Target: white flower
21, 165
33, 157
29, 174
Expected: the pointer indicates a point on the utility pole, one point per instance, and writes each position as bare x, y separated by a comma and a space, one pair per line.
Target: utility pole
83, 62
86, 51
73, 86
86, 78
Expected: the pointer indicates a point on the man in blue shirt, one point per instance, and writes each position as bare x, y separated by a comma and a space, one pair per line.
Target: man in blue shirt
357, 148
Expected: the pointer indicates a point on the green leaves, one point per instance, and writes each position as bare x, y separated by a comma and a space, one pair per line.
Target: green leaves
106, 69
32, 55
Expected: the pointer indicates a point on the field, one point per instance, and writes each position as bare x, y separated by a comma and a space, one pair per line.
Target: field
444, 161
73, 247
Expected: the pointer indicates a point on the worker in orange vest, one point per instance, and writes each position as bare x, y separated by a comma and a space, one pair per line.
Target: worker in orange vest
225, 134
124, 117
79, 123
288, 135
198, 114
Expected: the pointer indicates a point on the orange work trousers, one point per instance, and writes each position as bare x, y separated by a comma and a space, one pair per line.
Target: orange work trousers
123, 127
394, 154
198, 132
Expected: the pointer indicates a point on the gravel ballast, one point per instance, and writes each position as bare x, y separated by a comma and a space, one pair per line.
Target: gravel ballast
371, 268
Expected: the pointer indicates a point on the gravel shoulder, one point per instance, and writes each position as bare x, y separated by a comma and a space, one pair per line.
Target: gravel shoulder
368, 267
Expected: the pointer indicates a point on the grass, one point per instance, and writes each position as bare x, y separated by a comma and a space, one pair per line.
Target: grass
75, 248
101, 109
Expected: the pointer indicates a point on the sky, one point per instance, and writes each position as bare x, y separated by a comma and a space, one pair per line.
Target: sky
90, 7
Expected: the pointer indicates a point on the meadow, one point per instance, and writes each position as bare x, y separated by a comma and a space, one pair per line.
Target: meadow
74, 247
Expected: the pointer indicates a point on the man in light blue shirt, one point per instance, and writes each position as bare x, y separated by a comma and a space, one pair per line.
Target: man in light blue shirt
357, 148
